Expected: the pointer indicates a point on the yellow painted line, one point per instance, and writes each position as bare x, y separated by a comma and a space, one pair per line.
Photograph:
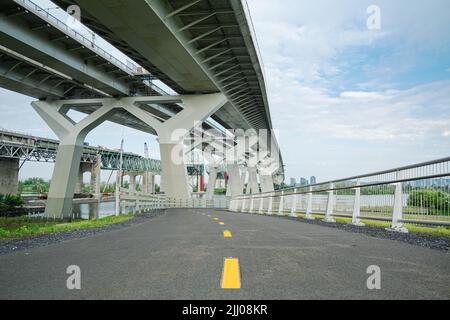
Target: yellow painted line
209, 216
216, 219
231, 275
222, 223
227, 234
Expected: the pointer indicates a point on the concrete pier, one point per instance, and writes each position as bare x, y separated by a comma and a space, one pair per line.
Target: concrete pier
9, 176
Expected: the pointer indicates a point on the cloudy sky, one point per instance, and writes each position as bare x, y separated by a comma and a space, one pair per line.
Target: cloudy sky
346, 99
350, 100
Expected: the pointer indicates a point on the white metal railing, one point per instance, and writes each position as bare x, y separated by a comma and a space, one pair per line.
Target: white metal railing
138, 202
78, 36
418, 194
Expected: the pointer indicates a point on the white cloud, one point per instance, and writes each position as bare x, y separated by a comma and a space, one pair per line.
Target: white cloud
324, 113
361, 95
358, 116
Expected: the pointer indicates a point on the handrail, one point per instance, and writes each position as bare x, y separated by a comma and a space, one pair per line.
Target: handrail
418, 194
57, 23
395, 170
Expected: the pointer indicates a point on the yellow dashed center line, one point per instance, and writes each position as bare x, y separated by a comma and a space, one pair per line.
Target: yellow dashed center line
227, 234
222, 223
216, 219
231, 276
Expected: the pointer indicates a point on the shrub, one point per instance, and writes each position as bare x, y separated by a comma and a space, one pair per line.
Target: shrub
220, 192
10, 202
437, 201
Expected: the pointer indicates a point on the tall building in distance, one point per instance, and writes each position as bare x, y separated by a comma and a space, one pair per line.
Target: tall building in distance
293, 182
313, 180
303, 182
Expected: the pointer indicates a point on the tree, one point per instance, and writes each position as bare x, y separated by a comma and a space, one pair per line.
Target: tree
37, 185
435, 200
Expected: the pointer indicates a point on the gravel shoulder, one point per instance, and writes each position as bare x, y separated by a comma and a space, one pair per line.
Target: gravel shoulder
434, 242
14, 245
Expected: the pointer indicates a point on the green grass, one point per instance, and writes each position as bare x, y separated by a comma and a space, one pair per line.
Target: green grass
11, 228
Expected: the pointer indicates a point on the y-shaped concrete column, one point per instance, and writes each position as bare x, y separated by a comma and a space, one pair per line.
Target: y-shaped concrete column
235, 187
243, 173
71, 136
267, 183
213, 170
267, 168
233, 157
253, 185
171, 133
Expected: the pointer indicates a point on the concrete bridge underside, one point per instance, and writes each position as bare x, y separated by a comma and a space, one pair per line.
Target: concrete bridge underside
204, 50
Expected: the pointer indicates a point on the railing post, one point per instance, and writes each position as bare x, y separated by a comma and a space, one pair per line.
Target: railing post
122, 207
281, 204
138, 207
330, 205
309, 208
294, 205
251, 204
261, 205
243, 204
397, 214
269, 209
356, 220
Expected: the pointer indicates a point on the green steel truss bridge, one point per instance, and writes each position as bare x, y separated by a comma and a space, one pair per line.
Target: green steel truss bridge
31, 148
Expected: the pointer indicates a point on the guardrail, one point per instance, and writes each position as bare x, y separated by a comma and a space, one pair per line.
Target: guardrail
417, 194
63, 27
138, 202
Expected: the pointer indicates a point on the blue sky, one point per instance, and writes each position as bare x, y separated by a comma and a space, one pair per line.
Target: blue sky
346, 100
349, 100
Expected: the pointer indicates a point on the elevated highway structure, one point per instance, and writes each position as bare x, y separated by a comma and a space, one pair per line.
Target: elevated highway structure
204, 50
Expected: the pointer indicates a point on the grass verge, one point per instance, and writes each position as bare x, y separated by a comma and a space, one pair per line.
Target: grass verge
412, 228
12, 228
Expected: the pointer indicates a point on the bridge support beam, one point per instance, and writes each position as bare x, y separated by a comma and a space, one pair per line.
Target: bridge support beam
253, 186
267, 184
132, 184
96, 178
171, 134
148, 183
234, 187
243, 173
71, 135
84, 167
9, 176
